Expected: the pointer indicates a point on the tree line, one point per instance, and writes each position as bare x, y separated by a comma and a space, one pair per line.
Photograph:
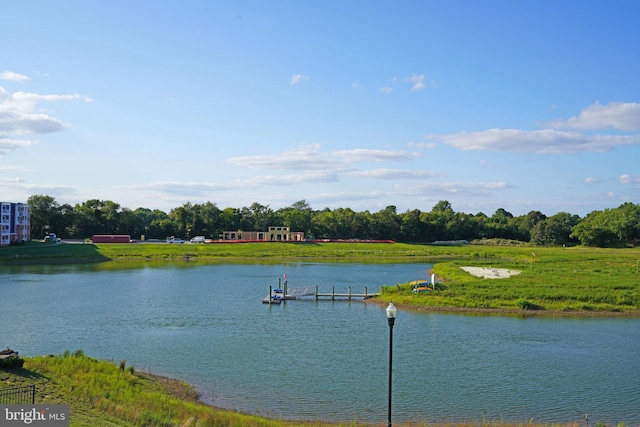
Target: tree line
610, 227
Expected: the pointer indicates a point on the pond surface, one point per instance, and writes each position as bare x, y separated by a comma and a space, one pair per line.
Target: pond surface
327, 360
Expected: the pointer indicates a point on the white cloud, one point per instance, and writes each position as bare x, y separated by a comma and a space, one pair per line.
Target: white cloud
428, 145
395, 174
304, 157
546, 141
10, 181
22, 124
417, 80
10, 75
12, 144
434, 189
18, 115
365, 154
309, 157
347, 196
17, 185
628, 179
12, 168
298, 78
386, 89
590, 180
614, 115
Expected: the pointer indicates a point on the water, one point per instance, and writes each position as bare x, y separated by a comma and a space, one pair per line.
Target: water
322, 359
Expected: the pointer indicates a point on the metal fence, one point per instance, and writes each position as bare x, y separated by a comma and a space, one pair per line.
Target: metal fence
18, 395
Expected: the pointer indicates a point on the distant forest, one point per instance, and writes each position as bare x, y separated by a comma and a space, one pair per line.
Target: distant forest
618, 227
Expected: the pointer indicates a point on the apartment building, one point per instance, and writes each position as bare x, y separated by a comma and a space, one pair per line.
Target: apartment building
14, 223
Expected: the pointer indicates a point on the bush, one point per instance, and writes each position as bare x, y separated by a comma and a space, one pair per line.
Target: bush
13, 362
525, 304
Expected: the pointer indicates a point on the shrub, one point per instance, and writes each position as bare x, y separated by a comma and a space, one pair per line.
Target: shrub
525, 304
13, 362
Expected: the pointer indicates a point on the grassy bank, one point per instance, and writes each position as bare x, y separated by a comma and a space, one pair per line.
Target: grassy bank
585, 281
579, 280
101, 393
107, 394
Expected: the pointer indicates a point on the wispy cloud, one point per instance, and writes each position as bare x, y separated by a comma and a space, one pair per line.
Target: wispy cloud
298, 78
304, 157
444, 188
12, 144
12, 168
629, 179
590, 180
395, 174
309, 157
614, 115
386, 89
10, 75
365, 154
18, 115
546, 141
19, 185
417, 80
553, 140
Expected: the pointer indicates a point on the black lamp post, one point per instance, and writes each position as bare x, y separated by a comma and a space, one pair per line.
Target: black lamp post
391, 318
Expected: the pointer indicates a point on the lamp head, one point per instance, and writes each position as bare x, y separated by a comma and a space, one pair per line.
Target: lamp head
391, 311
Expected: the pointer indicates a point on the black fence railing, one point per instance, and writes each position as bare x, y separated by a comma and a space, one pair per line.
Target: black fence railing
18, 395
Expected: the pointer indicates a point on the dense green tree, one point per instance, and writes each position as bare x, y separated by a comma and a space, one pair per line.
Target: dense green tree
230, 219
297, 217
412, 229
257, 217
44, 215
385, 224
594, 230
554, 230
619, 226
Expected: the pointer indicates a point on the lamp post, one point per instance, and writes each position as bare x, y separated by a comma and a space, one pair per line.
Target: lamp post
391, 318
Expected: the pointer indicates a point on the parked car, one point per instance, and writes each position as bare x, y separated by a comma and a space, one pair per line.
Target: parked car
197, 239
174, 240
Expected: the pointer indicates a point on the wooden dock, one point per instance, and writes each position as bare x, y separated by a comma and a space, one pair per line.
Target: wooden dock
276, 296
333, 295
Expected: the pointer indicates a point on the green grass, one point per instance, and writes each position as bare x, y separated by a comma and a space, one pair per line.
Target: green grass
572, 280
103, 394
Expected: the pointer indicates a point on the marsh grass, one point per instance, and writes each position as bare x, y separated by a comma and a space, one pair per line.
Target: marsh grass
558, 280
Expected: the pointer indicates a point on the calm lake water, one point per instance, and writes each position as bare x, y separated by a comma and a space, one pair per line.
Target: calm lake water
308, 359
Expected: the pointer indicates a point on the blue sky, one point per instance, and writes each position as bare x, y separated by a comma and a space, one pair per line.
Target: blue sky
360, 104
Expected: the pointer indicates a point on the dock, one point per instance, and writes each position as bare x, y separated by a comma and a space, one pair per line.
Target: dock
278, 295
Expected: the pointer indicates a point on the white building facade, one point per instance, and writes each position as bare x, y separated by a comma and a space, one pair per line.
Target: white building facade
14, 223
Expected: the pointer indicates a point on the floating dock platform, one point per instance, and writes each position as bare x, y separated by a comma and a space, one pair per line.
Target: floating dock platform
276, 296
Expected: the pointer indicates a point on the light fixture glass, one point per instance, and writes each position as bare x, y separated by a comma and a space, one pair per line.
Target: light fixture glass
391, 311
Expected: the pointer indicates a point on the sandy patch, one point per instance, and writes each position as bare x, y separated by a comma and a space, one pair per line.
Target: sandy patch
490, 273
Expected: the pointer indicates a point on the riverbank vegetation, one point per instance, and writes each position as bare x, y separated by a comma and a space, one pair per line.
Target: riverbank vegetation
107, 394
103, 393
584, 281
559, 280
610, 227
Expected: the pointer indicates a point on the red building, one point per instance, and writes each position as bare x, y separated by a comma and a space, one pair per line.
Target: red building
111, 238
